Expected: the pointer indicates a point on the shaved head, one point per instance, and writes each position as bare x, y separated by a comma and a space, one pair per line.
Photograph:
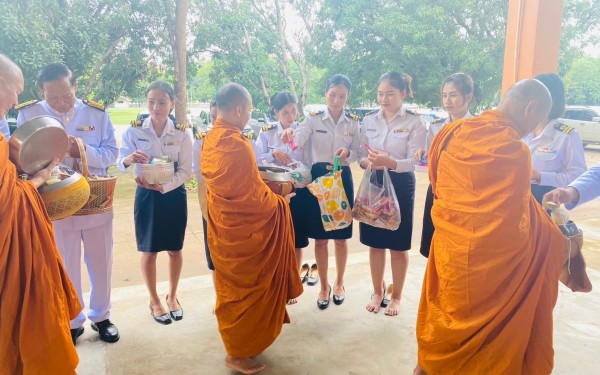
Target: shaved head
11, 84
234, 104
527, 103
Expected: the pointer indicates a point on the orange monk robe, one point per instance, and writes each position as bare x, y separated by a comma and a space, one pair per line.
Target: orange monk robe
251, 241
491, 281
37, 300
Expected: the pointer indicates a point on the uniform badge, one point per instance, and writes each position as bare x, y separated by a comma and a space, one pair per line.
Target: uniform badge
403, 130
321, 131
171, 143
143, 140
85, 128
93, 104
348, 134
546, 150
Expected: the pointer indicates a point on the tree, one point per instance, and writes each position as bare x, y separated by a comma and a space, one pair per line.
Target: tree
582, 81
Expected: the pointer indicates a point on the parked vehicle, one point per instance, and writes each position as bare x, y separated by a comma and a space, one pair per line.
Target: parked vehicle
586, 120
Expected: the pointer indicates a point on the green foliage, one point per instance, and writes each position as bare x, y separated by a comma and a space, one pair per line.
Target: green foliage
582, 82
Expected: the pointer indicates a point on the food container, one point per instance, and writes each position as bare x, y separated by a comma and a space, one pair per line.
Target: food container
279, 180
155, 173
36, 143
64, 193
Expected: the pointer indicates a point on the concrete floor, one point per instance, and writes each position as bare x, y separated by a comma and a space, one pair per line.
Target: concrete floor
343, 339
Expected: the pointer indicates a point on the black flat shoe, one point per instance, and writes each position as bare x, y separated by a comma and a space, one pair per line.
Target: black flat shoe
162, 319
338, 300
108, 332
175, 314
75, 333
323, 304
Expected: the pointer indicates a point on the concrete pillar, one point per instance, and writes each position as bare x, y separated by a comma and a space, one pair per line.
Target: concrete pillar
532, 39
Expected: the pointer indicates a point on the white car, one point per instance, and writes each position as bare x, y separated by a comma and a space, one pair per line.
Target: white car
586, 120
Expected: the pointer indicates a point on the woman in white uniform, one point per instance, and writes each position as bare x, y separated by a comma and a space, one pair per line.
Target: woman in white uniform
331, 133
160, 210
393, 134
458, 92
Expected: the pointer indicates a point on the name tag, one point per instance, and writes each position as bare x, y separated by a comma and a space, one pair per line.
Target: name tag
171, 143
371, 130
403, 130
348, 134
85, 128
143, 140
546, 150
321, 131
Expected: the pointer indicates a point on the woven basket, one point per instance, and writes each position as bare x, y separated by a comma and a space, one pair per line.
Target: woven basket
102, 189
66, 197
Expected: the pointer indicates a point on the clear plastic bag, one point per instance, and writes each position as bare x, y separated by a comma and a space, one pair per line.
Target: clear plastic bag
376, 204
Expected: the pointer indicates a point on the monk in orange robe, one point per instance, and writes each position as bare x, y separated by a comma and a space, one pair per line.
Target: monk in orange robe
491, 281
37, 300
250, 236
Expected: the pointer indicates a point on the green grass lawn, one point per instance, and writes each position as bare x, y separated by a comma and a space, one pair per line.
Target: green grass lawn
123, 116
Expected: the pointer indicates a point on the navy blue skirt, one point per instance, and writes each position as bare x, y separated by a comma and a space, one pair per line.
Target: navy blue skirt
160, 219
399, 239
209, 261
298, 207
538, 191
314, 227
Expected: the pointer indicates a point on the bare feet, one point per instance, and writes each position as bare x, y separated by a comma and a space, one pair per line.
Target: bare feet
375, 303
292, 301
393, 307
243, 365
419, 370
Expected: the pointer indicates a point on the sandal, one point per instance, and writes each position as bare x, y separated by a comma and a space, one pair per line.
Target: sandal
388, 295
304, 272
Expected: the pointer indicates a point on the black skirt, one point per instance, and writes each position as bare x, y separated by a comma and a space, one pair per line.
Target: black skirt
538, 191
428, 229
314, 227
298, 207
160, 219
399, 239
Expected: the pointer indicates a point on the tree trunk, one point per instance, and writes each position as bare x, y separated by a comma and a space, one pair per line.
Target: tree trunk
180, 56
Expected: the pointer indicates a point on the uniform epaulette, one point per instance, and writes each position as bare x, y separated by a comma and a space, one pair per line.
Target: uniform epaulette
439, 119
412, 112
371, 113
268, 127
26, 104
93, 104
316, 113
249, 134
180, 127
136, 123
352, 116
563, 128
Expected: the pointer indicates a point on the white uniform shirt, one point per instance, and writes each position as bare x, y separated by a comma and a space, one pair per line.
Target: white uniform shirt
174, 143
270, 140
435, 128
557, 153
400, 138
90, 124
4, 129
326, 137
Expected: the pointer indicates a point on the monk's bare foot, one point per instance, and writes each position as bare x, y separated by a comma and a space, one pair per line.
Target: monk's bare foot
292, 301
419, 370
375, 303
243, 365
393, 307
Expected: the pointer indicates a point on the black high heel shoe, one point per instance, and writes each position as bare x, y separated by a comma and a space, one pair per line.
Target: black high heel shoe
175, 314
324, 303
338, 300
162, 319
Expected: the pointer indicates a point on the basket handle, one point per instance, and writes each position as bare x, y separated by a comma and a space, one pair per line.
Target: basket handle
85, 171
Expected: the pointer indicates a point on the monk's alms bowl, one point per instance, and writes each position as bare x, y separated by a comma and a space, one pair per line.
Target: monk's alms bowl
155, 173
64, 193
36, 143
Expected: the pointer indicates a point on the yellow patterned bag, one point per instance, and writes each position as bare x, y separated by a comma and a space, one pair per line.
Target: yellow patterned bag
329, 191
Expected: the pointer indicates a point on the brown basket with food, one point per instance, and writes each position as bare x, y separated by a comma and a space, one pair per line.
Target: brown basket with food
102, 189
